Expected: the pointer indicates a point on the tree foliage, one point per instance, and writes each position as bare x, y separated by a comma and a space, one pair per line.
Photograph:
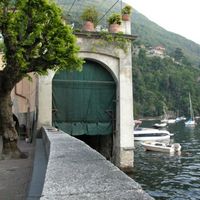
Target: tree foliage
36, 39
178, 54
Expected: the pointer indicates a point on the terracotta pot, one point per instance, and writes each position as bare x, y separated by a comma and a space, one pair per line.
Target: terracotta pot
88, 26
114, 28
126, 17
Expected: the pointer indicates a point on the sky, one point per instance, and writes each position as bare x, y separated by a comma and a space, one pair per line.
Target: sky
178, 16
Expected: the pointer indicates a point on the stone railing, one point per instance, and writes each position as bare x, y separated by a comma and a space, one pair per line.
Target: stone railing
76, 171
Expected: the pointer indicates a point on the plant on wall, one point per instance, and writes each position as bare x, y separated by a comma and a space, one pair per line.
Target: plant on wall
90, 14
115, 21
115, 18
116, 40
126, 11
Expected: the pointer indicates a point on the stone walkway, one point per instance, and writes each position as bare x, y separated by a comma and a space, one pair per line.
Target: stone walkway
15, 175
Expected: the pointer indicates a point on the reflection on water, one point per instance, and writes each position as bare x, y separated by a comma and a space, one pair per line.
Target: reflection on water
166, 176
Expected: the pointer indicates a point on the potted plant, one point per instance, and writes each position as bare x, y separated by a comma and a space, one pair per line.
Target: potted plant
115, 21
90, 18
126, 11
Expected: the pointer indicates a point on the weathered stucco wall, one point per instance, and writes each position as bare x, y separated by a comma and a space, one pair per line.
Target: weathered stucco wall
24, 95
24, 98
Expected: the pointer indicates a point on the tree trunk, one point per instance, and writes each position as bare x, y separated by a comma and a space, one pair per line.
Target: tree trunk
7, 129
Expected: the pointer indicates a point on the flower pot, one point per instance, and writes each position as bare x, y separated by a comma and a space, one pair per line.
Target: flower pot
114, 28
126, 17
88, 26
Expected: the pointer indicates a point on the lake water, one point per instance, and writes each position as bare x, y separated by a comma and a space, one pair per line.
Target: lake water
174, 177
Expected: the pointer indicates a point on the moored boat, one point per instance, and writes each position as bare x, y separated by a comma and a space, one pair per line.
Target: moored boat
190, 122
160, 125
182, 118
171, 121
161, 147
147, 134
166, 118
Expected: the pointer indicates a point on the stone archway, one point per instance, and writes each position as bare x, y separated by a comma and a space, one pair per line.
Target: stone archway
119, 64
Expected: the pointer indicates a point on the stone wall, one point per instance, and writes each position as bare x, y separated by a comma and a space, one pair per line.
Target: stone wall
76, 171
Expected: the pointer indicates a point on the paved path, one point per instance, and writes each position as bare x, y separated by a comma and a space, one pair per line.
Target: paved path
15, 174
39, 171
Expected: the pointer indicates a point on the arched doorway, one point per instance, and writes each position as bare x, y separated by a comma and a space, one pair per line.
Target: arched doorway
84, 105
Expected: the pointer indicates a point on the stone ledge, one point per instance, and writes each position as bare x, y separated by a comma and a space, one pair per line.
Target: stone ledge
75, 171
97, 34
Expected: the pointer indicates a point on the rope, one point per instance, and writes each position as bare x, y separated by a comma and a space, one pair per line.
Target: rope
71, 6
107, 11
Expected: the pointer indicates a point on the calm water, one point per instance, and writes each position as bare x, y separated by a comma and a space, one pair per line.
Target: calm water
174, 177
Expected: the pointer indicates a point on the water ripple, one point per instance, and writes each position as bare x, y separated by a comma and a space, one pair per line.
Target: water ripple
171, 177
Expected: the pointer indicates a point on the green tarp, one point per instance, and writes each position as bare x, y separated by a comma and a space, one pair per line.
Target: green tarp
84, 102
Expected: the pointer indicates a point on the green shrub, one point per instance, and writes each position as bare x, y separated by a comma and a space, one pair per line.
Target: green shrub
90, 14
115, 18
126, 10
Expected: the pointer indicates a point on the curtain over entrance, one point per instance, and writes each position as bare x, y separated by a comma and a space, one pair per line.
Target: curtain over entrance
84, 103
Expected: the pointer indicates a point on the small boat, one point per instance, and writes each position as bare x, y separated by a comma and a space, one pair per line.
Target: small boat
191, 121
161, 147
171, 121
166, 119
160, 125
178, 119
146, 134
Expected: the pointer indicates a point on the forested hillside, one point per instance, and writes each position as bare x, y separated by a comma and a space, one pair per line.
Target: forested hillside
159, 83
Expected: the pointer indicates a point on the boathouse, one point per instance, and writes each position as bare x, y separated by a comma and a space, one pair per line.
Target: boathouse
94, 105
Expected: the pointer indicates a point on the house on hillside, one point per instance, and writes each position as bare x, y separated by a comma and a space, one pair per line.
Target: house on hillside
157, 51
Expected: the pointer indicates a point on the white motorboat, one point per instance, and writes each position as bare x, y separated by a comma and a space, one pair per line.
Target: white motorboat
146, 134
162, 147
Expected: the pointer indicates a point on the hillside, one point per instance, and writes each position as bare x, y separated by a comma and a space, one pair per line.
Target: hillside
151, 34
148, 32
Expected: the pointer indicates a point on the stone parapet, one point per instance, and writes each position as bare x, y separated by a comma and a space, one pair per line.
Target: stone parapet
76, 171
